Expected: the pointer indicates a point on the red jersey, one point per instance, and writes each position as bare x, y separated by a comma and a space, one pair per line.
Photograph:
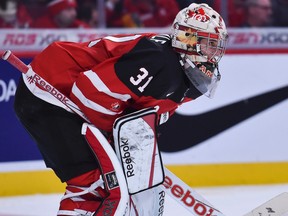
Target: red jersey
109, 76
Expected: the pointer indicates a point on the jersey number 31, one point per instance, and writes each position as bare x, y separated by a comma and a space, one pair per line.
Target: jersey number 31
141, 80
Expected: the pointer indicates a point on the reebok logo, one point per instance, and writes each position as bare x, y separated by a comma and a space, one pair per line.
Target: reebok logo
161, 203
126, 158
186, 198
47, 87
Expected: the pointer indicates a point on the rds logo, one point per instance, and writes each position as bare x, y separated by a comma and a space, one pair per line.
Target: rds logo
7, 90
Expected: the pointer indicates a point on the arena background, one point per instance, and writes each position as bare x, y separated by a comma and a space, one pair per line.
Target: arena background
239, 137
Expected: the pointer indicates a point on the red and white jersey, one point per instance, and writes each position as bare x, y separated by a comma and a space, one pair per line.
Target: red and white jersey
114, 75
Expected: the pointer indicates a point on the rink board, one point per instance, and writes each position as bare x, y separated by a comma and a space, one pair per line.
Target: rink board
44, 181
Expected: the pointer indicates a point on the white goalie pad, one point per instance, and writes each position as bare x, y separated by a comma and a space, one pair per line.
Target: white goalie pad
149, 202
137, 149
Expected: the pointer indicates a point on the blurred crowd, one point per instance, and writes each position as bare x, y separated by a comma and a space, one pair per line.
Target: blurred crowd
134, 13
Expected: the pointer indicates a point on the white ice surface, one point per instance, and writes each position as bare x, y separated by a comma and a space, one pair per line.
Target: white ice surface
232, 201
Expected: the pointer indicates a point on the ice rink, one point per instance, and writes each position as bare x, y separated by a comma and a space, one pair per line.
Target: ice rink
232, 201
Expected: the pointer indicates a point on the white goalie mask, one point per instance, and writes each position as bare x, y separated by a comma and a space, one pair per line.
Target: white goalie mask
200, 36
